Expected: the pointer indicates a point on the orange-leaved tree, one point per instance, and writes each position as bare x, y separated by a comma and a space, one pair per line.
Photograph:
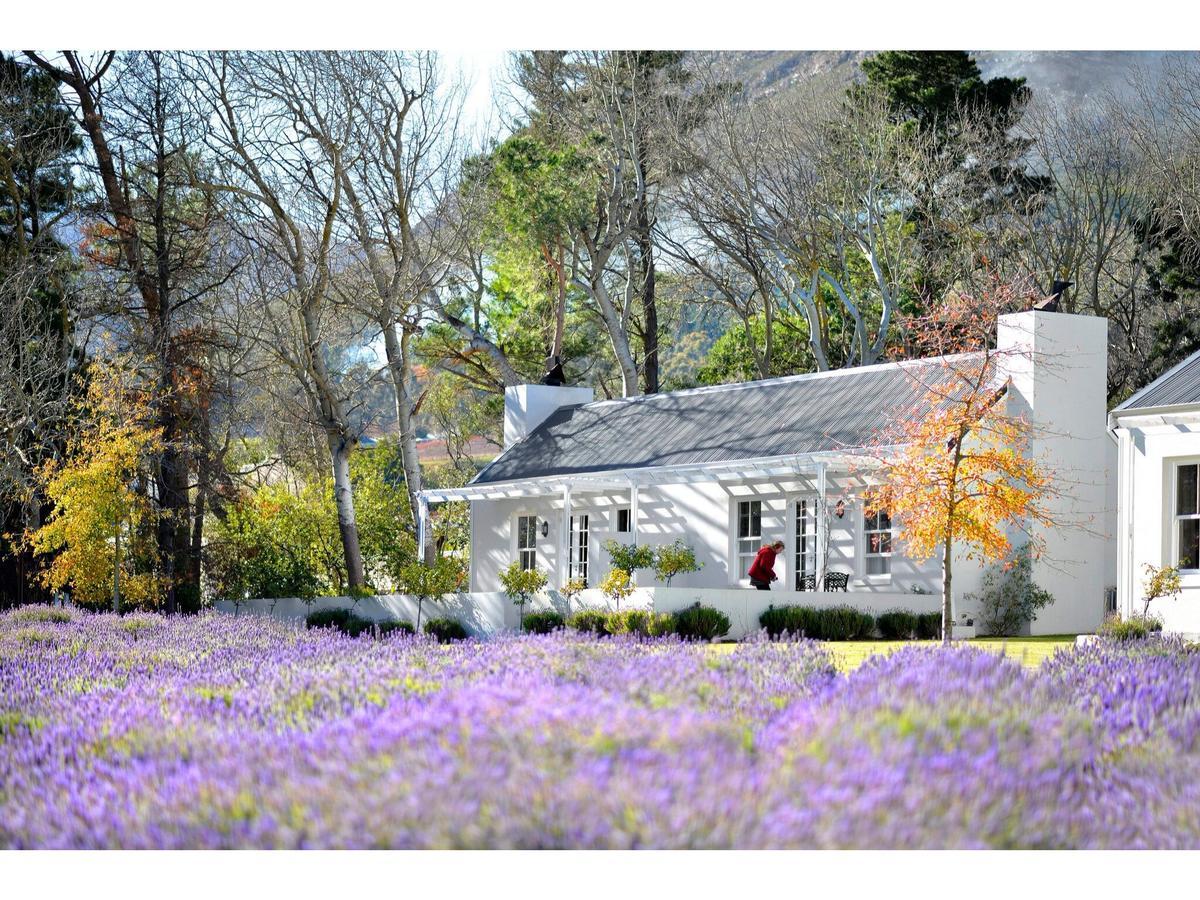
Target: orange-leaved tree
955, 470
99, 535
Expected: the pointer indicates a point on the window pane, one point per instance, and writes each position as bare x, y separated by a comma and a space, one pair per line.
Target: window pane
755, 518
1186, 504
1189, 544
878, 565
622, 520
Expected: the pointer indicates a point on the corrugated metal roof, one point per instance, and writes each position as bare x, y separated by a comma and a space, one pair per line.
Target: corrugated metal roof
1178, 387
777, 417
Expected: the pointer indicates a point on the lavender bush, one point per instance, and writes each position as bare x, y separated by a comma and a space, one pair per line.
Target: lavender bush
141, 731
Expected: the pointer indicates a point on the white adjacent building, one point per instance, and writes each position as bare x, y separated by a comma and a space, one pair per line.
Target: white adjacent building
729, 468
1158, 436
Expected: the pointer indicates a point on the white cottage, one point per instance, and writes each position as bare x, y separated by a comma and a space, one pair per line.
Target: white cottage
1158, 436
728, 468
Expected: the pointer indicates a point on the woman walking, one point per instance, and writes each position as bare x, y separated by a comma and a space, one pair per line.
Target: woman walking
762, 570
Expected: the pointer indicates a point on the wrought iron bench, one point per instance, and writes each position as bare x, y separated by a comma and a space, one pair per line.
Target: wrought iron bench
836, 581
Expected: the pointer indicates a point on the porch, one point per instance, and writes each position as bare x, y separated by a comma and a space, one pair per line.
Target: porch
725, 511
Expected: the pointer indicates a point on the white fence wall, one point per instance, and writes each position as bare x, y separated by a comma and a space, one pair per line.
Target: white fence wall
486, 613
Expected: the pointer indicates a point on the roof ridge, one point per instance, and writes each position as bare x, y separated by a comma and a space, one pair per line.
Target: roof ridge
1146, 388
780, 379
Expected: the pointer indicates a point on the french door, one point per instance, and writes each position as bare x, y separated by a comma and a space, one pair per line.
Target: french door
578, 551
804, 543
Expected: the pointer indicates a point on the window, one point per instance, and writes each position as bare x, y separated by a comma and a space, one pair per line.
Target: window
806, 545
578, 563
877, 544
749, 534
623, 523
1187, 516
527, 541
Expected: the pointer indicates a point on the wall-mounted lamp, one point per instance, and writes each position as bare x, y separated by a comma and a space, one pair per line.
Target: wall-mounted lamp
545, 528
839, 510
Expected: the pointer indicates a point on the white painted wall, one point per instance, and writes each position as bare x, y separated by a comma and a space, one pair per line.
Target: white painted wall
1060, 386
1150, 449
487, 613
703, 514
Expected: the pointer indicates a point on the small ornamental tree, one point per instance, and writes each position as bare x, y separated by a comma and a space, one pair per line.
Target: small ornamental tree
521, 584
617, 585
963, 474
629, 557
675, 559
572, 589
1164, 582
424, 582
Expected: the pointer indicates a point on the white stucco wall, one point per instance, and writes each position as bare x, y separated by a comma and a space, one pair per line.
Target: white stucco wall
1059, 383
1150, 450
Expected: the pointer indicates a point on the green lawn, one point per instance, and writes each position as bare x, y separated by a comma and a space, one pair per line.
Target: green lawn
1029, 651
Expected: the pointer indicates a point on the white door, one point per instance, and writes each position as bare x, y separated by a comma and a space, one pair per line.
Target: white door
804, 544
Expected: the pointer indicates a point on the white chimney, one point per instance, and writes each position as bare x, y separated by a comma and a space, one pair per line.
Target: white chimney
1058, 364
526, 406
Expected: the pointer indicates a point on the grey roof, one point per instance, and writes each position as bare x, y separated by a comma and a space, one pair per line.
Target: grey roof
778, 417
1178, 387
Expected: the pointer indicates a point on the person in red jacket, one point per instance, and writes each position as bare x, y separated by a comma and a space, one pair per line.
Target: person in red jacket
762, 570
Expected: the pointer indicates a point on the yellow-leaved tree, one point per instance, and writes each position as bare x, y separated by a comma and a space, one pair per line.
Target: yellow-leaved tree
99, 539
957, 472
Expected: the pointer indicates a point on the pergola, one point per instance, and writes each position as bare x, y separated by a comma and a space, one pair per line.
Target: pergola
810, 466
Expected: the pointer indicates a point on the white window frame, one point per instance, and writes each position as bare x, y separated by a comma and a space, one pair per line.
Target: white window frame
738, 554
518, 550
874, 577
616, 523
579, 538
1175, 517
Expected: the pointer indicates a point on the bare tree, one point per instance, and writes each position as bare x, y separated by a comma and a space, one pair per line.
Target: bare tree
281, 156
808, 195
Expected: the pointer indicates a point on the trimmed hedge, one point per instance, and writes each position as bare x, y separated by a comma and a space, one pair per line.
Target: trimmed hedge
543, 622
593, 620
837, 623
641, 622
929, 626
446, 630
701, 623
897, 624
347, 621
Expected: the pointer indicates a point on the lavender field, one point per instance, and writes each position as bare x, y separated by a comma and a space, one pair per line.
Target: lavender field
141, 731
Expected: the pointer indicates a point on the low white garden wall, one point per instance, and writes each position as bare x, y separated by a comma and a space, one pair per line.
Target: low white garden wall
486, 613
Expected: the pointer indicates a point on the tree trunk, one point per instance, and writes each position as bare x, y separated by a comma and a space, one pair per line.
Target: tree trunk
947, 610
339, 453
399, 358
649, 302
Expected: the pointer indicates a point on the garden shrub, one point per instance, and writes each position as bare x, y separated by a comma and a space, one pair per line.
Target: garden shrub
387, 626
342, 619
838, 623
351, 623
897, 624
641, 622
1131, 629
929, 626
701, 623
446, 630
1009, 599
543, 622
796, 621
593, 620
